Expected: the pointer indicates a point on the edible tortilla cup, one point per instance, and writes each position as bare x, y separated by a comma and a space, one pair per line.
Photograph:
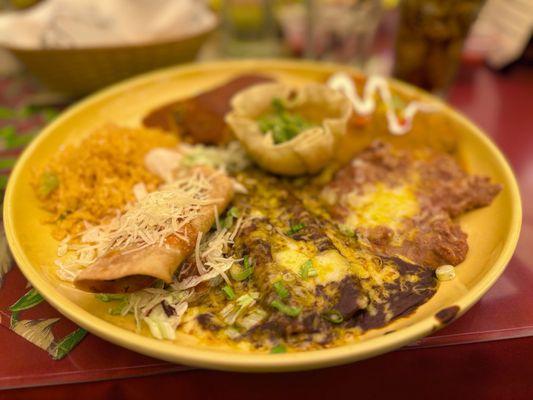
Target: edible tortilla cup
131, 270
312, 148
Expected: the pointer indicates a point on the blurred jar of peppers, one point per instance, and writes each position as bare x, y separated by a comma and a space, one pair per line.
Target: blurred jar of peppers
429, 41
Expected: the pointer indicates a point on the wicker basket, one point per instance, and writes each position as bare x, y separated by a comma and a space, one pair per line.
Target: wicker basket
78, 71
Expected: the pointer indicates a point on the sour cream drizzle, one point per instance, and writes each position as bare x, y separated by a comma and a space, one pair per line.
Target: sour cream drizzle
367, 104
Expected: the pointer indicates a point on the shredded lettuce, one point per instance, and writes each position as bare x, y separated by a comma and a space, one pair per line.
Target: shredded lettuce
163, 326
231, 158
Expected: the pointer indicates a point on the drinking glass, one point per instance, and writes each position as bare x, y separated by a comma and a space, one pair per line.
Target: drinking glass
249, 28
429, 40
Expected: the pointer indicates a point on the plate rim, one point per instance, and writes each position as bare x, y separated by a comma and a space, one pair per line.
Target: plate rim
252, 362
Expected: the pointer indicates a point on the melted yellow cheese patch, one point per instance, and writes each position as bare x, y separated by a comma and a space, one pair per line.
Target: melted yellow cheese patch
383, 206
291, 260
329, 265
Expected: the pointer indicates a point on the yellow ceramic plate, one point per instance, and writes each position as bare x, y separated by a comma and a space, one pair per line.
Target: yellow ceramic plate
492, 231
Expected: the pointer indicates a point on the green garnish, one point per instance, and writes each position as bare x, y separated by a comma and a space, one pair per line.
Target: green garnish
228, 291
283, 125
118, 310
107, 297
277, 105
346, 230
278, 349
307, 270
245, 300
285, 309
68, 343
281, 290
333, 316
240, 274
295, 228
48, 183
29, 300
232, 213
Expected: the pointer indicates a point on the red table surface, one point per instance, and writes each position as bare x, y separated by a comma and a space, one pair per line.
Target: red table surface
501, 105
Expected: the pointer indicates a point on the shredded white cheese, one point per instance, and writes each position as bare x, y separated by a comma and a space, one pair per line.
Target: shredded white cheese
211, 251
139, 191
149, 221
231, 158
211, 259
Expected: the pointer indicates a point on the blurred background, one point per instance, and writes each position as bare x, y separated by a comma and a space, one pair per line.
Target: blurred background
477, 54
65, 49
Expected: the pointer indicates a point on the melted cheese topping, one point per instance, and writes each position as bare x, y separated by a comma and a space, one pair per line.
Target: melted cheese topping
383, 206
329, 265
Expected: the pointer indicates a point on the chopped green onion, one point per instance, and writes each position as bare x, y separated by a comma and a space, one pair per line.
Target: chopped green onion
281, 290
285, 309
232, 213
254, 318
346, 230
232, 333
445, 273
295, 228
66, 344
283, 125
160, 324
307, 270
333, 316
106, 297
277, 105
245, 300
48, 182
239, 273
230, 313
119, 309
278, 349
29, 300
228, 291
